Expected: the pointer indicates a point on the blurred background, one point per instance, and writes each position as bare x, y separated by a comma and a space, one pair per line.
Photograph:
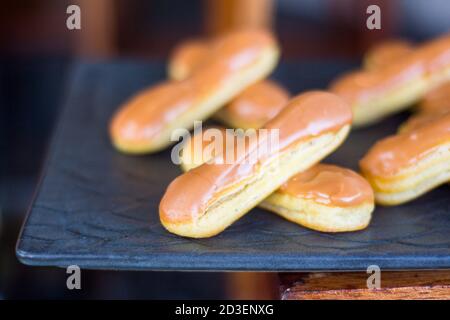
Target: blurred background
37, 50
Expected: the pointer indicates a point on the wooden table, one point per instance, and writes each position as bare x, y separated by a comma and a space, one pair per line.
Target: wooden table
395, 285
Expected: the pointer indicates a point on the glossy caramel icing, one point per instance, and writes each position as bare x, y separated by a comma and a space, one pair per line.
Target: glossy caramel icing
437, 100
254, 106
364, 85
142, 118
329, 185
208, 143
324, 183
306, 116
421, 119
188, 56
388, 52
258, 103
395, 153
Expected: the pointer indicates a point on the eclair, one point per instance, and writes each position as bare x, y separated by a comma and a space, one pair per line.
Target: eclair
324, 198
435, 104
418, 120
252, 108
204, 145
404, 166
207, 199
146, 122
436, 101
187, 57
375, 94
386, 53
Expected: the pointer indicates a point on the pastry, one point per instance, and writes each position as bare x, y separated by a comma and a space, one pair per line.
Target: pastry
402, 167
323, 198
375, 94
437, 100
205, 200
187, 57
251, 108
203, 146
420, 119
254, 106
386, 53
146, 122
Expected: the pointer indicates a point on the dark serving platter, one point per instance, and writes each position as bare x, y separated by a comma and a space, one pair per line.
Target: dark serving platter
98, 208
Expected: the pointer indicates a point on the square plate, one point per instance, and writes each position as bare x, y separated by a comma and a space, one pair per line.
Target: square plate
98, 208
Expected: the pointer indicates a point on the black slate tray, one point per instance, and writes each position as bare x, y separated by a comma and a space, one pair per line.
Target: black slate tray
99, 209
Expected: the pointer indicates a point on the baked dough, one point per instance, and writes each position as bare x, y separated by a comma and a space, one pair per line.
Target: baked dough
378, 93
385, 53
187, 57
204, 201
405, 166
252, 108
146, 122
436, 101
324, 198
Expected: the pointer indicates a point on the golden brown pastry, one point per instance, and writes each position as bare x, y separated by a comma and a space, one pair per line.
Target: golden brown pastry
437, 100
375, 94
324, 198
420, 119
254, 106
146, 122
311, 126
386, 53
204, 146
187, 57
435, 104
404, 166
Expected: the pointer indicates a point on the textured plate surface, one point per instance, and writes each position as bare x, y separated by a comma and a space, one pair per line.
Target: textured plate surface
99, 209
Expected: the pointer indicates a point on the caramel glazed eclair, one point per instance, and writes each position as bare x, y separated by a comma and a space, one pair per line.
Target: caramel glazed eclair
435, 102
145, 123
385, 53
310, 127
435, 105
404, 166
375, 94
324, 198
252, 108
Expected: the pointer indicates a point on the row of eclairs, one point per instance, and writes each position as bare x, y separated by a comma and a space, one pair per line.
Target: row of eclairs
226, 79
